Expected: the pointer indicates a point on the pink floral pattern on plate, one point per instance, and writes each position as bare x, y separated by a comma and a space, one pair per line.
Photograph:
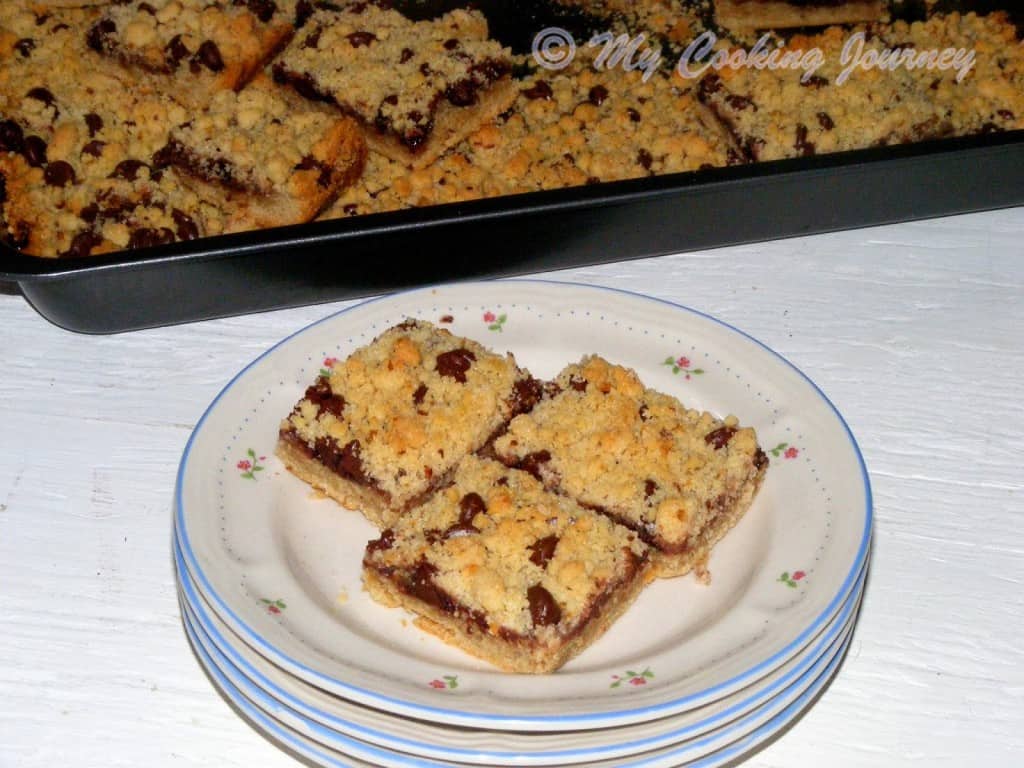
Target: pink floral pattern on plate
274, 606
328, 365
682, 365
629, 677
785, 450
445, 683
792, 580
495, 322
250, 466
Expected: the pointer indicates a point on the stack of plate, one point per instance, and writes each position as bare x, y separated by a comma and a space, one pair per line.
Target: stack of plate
692, 674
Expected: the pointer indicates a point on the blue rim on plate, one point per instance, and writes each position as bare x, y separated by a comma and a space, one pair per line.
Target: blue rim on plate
455, 714
227, 655
313, 750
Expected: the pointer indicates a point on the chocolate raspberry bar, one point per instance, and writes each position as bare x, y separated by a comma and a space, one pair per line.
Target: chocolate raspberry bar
783, 14
275, 159
785, 112
418, 87
581, 125
984, 98
679, 478
76, 150
214, 44
385, 427
509, 572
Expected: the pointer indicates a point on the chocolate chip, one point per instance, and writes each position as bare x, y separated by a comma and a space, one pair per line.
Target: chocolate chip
543, 609
99, 35
303, 11
455, 364
739, 103
634, 116
542, 550
12, 138
814, 81
526, 394
150, 237
720, 437
532, 462
649, 488
127, 170
578, 383
825, 121
309, 163
25, 46
1005, 114
43, 95
89, 212
175, 52
391, 99
82, 244
644, 412
350, 209
419, 394
451, 44
361, 38
59, 174
709, 85
462, 93
598, 95
94, 123
539, 90
645, 159
325, 399
385, 542
209, 55
34, 151
760, 460
407, 53
802, 145
346, 461
447, 319
264, 9
471, 505
313, 38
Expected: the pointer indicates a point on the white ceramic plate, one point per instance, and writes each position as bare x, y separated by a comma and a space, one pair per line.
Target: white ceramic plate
280, 692
327, 748
282, 568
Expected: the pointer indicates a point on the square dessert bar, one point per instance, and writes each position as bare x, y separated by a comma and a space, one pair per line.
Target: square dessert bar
780, 14
509, 572
679, 478
211, 44
418, 87
76, 149
787, 112
386, 427
275, 159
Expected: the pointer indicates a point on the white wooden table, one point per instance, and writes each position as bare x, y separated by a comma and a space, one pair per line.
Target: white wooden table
915, 331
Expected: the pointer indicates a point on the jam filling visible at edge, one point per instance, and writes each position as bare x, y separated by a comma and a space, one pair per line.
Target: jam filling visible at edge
418, 582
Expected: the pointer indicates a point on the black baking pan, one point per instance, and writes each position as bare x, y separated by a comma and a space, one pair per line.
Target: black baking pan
363, 255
